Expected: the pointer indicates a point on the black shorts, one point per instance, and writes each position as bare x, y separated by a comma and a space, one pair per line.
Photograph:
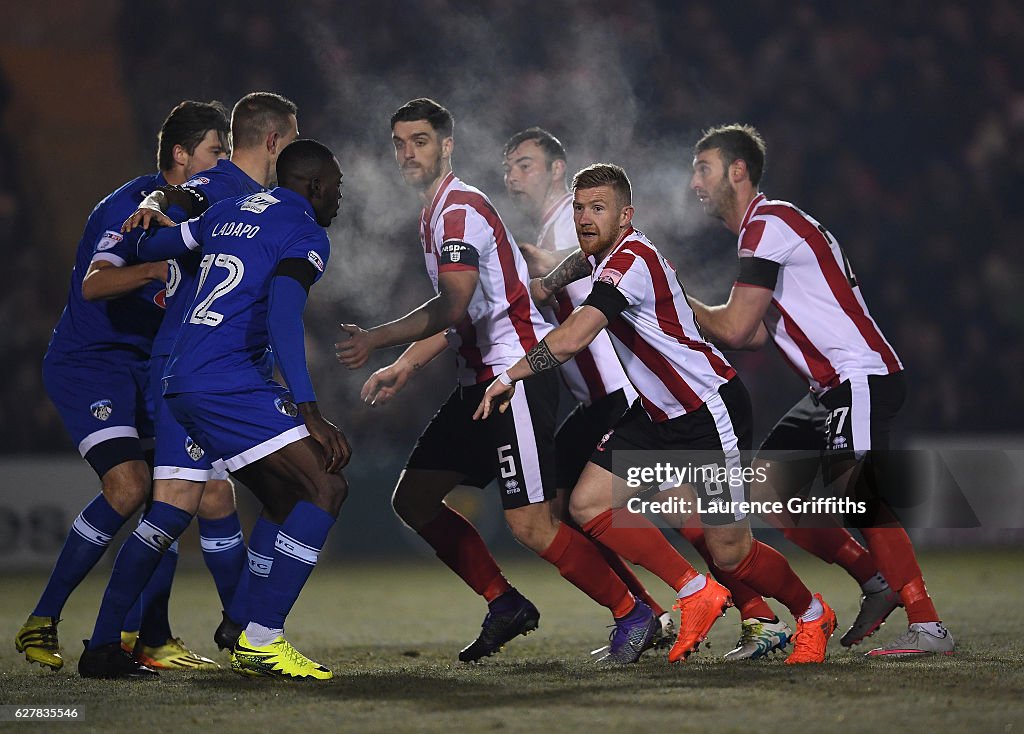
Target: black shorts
795, 448
517, 447
719, 430
581, 431
849, 427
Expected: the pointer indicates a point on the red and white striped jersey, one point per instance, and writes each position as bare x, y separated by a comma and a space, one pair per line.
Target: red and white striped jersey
595, 371
656, 336
502, 323
817, 317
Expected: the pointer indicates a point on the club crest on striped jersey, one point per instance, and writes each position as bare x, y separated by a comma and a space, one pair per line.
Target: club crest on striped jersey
317, 261
609, 276
194, 450
102, 409
197, 181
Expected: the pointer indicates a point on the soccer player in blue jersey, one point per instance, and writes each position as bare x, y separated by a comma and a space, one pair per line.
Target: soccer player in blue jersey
96, 369
260, 255
262, 124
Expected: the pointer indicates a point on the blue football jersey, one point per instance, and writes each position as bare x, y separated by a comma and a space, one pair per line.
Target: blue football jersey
223, 342
131, 320
223, 181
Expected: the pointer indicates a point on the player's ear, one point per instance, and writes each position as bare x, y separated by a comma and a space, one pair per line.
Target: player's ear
738, 170
558, 169
626, 216
447, 145
180, 155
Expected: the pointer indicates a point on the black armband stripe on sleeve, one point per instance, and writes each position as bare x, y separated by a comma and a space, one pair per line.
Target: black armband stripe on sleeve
607, 299
299, 269
456, 252
758, 271
199, 202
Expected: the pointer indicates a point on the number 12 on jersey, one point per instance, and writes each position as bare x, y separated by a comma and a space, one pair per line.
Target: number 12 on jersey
202, 314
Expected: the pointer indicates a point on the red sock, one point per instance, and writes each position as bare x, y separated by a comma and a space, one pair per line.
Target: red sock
642, 544
894, 553
582, 565
835, 545
629, 578
459, 545
749, 602
768, 572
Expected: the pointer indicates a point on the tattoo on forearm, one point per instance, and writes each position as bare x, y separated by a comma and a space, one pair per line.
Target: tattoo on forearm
572, 268
540, 358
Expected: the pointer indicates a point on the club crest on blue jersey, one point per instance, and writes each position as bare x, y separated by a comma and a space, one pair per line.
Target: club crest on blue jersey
197, 181
101, 409
194, 450
286, 406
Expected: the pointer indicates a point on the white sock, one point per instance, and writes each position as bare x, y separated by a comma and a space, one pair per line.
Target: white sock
874, 584
813, 612
692, 586
260, 636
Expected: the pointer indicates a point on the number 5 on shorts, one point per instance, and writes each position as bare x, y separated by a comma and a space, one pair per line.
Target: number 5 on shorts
507, 461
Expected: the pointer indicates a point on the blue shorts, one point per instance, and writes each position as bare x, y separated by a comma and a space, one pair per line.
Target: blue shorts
104, 400
239, 427
177, 455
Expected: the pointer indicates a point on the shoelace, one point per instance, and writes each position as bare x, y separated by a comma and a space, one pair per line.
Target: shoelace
295, 656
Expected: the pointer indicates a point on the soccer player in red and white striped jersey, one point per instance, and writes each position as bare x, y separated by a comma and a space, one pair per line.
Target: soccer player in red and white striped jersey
796, 282
690, 400
535, 167
483, 310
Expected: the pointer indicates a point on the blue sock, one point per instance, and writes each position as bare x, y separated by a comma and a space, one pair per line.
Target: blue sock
302, 536
89, 537
224, 553
261, 560
155, 629
135, 570
133, 620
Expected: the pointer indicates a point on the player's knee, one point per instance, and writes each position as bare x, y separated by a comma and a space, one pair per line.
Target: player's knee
218, 499
328, 492
126, 487
533, 526
407, 505
582, 507
728, 551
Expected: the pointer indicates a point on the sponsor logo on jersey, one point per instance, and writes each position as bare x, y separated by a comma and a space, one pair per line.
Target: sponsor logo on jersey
235, 229
258, 203
315, 259
286, 406
108, 240
160, 298
194, 450
511, 487
102, 409
611, 277
197, 181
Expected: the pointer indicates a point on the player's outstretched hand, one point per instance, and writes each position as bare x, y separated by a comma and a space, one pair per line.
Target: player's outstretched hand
383, 385
498, 394
354, 352
145, 217
336, 448
539, 262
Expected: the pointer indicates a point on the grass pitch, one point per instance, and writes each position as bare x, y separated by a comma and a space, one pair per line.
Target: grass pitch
391, 634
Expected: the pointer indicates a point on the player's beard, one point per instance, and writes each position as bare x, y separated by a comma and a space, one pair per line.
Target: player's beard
722, 200
422, 176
